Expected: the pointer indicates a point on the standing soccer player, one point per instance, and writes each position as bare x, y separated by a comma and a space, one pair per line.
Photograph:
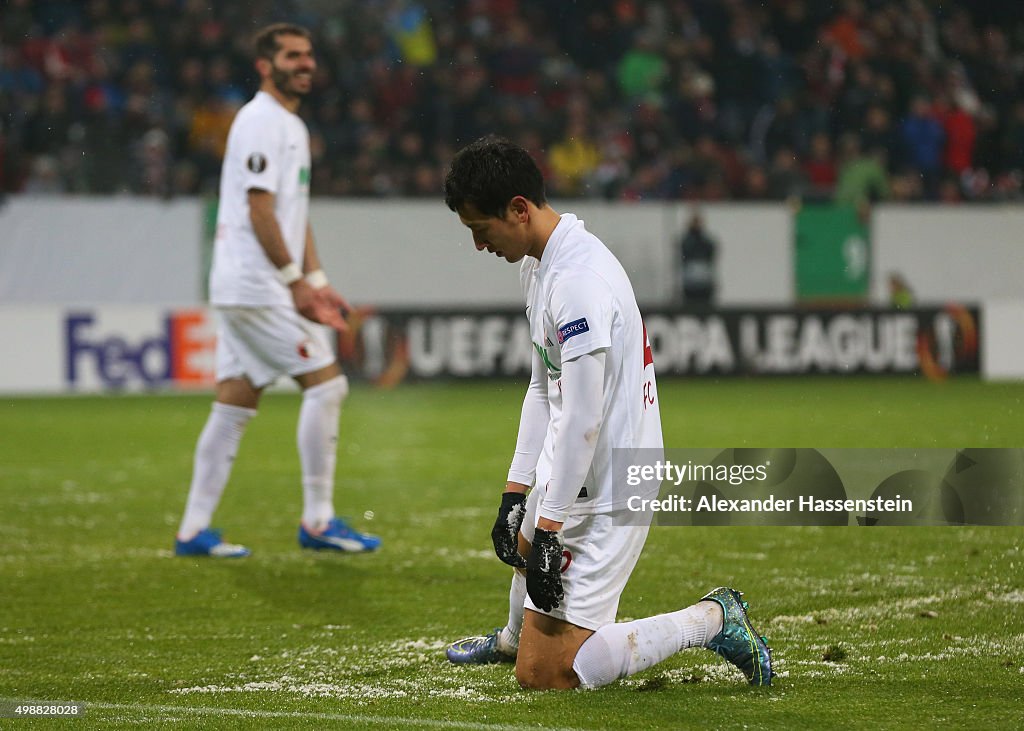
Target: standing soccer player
592, 390
268, 291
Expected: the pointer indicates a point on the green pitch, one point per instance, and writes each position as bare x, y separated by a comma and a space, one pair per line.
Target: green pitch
912, 627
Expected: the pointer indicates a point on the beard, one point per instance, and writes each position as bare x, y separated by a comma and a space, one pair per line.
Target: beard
282, 81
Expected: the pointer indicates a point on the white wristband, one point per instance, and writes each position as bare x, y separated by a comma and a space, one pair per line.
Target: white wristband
317, 279
289, 273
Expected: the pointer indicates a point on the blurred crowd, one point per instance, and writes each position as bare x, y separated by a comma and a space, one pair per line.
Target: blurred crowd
854, 100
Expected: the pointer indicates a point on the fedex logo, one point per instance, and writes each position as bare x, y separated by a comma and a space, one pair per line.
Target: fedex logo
147, 349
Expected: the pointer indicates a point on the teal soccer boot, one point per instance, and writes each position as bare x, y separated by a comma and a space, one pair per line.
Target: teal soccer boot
739, 642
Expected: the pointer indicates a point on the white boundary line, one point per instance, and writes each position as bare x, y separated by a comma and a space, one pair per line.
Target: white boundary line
362, 720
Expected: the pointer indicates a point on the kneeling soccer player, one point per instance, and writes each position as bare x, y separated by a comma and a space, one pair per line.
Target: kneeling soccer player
592, 390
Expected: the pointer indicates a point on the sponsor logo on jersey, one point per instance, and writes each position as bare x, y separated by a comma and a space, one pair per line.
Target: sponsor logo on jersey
572, 328
553, 370
257, 162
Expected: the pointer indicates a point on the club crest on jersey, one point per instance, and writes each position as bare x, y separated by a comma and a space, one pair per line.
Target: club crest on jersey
572, 328
256, 162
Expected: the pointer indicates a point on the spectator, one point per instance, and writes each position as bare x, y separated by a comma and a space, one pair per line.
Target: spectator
573, 159
17, 77
208, 131
410, 27
905, 186
692, 109
46, 131
923, 141
102, 142
697, 252
1012, 142
877, 129
848, 29
642, 69
901, 296
778, 127
152, 165
859, 93
785, 178
820, 167
793, 26
862, 177
515, 64
755, 184
45, 177
961, 134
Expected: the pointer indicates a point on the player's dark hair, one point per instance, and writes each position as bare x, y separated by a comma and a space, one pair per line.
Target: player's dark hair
489, 173
265, 43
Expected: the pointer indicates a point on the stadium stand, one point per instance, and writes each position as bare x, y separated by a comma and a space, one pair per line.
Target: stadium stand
903, 100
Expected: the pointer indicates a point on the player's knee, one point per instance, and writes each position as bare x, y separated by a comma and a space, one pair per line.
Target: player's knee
529, 678
537, 676
331, 392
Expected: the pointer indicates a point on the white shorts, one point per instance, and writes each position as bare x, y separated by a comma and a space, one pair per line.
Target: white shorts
599, 555
264, 343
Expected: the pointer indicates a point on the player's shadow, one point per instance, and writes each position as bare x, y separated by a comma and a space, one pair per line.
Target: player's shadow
317, 586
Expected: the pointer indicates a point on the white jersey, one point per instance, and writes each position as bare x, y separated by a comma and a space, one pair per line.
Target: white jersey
579, 300
268, 149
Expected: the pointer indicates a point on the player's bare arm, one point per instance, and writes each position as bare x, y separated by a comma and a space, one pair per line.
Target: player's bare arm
516, 487
268, 233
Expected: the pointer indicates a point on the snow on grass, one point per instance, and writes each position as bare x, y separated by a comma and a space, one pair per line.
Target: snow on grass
402, 669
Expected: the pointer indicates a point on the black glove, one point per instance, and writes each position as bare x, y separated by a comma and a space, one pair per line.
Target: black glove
505, 533
544, 570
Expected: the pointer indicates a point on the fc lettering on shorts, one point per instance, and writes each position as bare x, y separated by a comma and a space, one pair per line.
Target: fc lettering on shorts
572, 328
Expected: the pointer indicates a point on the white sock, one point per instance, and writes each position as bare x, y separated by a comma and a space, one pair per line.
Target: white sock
318, 449
214, 456
508, 638
618, 650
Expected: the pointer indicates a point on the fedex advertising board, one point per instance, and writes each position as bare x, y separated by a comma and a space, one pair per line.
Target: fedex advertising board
52, 349
137, 348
